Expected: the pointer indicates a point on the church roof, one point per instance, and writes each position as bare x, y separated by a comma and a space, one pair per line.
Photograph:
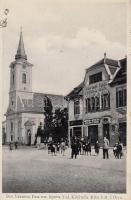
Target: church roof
36, 103
21, 50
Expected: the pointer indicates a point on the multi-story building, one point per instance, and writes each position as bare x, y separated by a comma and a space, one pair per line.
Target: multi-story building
75, 112
102, 99
119, 105
26, 108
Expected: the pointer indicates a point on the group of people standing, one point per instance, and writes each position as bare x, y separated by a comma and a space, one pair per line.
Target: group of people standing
118, 150
57, 147
13, 145
79, 147
82, 147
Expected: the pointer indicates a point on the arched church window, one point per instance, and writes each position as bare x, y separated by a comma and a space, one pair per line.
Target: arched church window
23, 78
11, 126
13, 78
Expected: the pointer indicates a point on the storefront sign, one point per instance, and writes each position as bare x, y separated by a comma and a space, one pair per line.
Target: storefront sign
75, 123
92, 121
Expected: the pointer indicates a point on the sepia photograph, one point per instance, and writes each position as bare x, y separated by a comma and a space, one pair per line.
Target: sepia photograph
64, 96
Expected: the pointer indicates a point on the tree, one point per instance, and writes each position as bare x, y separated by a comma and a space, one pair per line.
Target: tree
48, 120
60, 124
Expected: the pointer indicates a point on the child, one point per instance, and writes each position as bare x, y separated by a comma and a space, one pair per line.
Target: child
115, 149
97, 147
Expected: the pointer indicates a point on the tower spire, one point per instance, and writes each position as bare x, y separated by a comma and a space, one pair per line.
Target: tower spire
21, 50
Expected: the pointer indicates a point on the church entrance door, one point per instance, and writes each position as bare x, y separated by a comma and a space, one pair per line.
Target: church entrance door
29, 137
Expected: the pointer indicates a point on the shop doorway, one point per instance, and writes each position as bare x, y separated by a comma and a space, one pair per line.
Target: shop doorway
93, 133
106, 131
77, 132
122, 132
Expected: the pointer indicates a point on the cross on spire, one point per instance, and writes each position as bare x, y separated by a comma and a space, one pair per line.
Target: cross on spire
21, 50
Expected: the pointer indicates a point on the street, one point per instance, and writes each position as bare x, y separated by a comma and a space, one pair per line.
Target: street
29, 170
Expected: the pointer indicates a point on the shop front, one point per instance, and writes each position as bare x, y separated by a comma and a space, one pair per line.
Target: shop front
75, 129
91, 129
122, 131
97, 128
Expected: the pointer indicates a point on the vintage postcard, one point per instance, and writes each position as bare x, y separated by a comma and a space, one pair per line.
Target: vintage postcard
66, 117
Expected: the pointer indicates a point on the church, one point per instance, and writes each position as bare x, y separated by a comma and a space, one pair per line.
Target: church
26, 108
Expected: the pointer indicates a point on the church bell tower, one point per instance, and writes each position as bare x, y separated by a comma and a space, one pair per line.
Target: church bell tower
20, 76
20, 91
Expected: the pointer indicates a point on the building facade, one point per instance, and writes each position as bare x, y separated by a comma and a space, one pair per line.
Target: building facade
102, 102
26, 108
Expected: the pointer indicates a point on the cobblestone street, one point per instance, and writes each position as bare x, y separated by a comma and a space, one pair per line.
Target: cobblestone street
30, 170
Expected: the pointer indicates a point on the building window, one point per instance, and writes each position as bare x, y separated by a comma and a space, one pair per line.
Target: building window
97, 103
92, 104
95, 78
76, 107
105, 101
86, 105
23, 78
11, 126
121, 96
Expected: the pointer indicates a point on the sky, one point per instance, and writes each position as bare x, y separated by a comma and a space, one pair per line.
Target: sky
62, 38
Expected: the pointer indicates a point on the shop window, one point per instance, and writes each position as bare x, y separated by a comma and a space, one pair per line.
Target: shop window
23, 78
95, 78
76, 107
121, 97
105, 101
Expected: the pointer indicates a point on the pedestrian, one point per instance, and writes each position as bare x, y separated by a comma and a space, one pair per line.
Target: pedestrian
119, 150
89, 148
49, 148
115, 150
16, 145
63, 148
35, 142
105, 148
39, 134
97, 147
84, 148
79, 148
74, 151
11, 146
53, 149
58, 147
